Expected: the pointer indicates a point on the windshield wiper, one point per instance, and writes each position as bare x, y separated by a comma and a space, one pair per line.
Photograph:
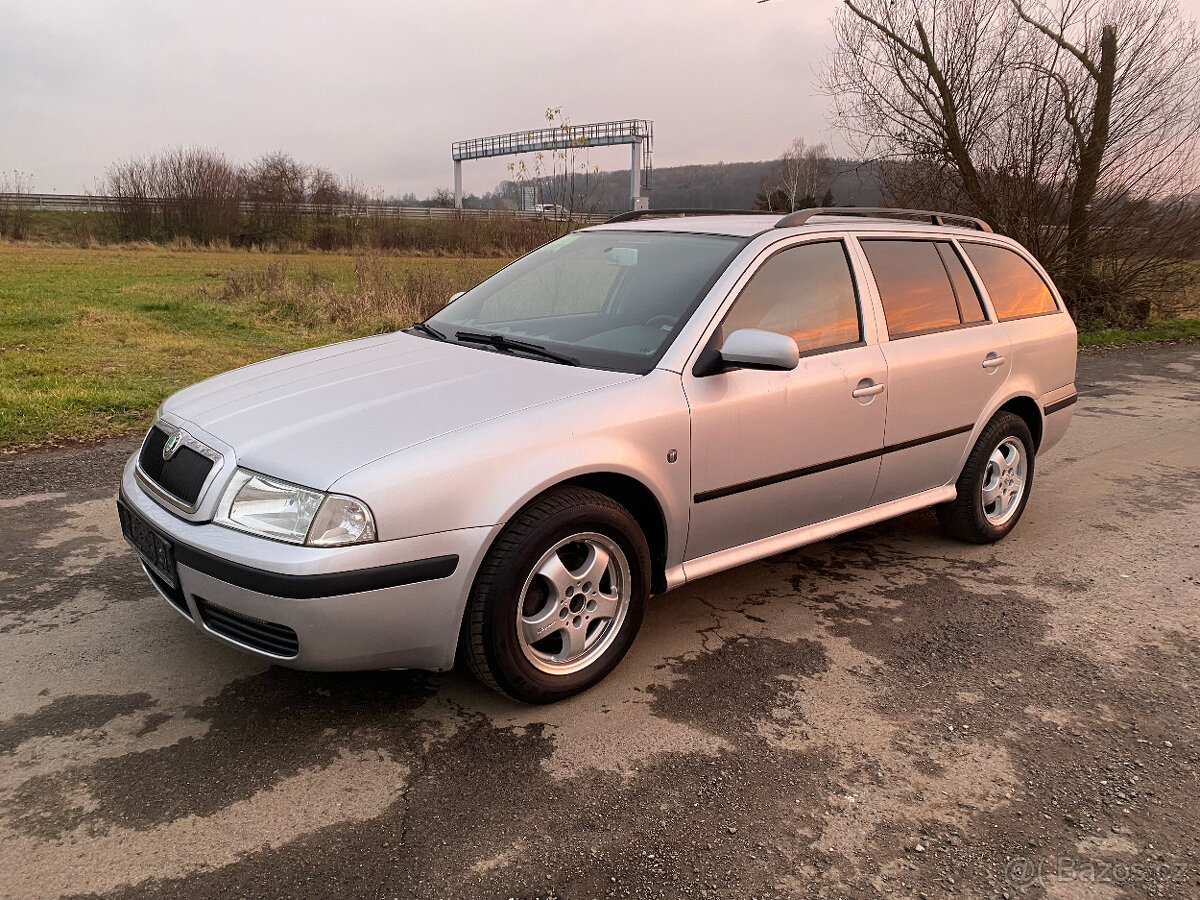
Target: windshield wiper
501, 342
429, 330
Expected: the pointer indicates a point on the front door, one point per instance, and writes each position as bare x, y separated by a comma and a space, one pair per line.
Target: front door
773, 451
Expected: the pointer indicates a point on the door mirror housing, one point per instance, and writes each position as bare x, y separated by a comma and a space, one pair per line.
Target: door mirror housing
753, 348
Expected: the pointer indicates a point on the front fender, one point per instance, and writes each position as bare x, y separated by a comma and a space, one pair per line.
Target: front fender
481, 475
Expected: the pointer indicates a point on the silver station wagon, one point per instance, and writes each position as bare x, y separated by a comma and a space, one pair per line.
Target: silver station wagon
628, 408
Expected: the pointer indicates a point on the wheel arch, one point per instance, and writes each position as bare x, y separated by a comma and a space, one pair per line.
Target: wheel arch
637, 498
643, 506
1027, 409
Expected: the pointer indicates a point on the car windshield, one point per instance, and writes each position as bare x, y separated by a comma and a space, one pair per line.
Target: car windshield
604, 299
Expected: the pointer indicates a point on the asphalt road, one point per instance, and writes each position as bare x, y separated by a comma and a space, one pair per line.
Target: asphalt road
887, 713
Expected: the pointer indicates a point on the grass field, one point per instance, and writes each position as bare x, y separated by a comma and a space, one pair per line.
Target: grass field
91, 341
1155, 330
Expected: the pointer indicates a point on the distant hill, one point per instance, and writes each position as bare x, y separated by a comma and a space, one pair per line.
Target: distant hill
711, 186
736, 185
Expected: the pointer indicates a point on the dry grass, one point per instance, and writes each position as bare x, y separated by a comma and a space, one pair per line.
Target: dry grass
382, 297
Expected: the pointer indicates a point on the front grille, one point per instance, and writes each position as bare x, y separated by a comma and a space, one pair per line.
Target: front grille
269, 637
182, 475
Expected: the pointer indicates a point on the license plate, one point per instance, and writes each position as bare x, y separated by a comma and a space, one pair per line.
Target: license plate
153, 548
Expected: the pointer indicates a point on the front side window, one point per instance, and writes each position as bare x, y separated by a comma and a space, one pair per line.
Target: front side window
609, 299
805, 292
914, 286
1015, 288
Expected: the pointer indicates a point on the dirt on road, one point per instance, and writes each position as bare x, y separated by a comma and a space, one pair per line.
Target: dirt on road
884, 714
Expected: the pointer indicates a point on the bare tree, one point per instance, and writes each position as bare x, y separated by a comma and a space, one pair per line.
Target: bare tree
570, 184
276, 185
14, 204
1069, 124
804, 173
189, 192
277, 178
325, 190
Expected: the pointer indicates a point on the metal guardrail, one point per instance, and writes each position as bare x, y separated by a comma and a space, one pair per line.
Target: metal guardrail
93, 203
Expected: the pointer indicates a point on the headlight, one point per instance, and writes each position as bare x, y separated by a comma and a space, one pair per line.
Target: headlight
287, 512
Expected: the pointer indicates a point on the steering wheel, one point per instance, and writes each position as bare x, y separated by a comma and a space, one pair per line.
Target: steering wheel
668, 321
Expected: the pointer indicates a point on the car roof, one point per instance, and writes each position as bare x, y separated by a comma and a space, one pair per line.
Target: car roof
751, 225
737, 226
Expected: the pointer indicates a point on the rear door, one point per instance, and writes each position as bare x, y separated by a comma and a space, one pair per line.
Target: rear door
1043, 336
946, 359
773, 451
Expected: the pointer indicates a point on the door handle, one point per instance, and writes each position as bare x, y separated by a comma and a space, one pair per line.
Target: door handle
992, 360
866, 388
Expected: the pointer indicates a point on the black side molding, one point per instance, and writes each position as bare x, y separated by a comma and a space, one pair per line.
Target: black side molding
732, 489
306, 587
1061, 404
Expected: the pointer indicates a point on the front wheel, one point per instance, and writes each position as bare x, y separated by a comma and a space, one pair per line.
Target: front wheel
559, 598
994, 485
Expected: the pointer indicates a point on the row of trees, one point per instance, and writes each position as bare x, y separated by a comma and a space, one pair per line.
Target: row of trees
201, 194
1071, 125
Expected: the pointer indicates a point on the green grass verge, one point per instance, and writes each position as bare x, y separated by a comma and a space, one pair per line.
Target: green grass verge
91, 341
1155, 330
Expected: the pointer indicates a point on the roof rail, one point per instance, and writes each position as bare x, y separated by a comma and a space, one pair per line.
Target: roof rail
647, 213
801, 216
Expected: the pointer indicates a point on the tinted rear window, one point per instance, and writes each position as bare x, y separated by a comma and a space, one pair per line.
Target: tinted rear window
1015, 288
913, 285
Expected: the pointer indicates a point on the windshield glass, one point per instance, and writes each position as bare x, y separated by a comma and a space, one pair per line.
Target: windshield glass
608, 299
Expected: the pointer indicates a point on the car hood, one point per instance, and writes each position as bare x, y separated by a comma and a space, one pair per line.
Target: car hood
313, 416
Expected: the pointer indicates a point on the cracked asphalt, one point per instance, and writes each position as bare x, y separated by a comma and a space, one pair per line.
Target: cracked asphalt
883, 714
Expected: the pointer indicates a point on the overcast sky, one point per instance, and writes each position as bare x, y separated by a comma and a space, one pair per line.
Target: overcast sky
379, 90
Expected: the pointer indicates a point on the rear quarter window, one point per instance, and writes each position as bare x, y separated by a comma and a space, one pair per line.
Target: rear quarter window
1015, 287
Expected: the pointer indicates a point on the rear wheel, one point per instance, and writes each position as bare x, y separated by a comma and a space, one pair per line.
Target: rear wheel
994, 485
559, 598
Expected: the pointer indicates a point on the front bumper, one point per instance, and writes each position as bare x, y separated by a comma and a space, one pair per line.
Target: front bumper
391, 604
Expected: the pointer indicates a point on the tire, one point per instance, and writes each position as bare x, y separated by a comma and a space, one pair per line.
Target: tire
1001, 466
535, 626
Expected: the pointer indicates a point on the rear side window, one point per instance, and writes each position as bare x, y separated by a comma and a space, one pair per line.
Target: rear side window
914, 286
1015, 288
805, 292
970, 307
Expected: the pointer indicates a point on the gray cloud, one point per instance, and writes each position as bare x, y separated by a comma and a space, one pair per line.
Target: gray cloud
379, 90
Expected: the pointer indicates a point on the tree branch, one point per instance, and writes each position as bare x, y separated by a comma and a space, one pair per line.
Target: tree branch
1059, 39
909, 48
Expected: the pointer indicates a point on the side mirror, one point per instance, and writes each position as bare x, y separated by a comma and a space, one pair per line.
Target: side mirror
753, 348
454, 297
